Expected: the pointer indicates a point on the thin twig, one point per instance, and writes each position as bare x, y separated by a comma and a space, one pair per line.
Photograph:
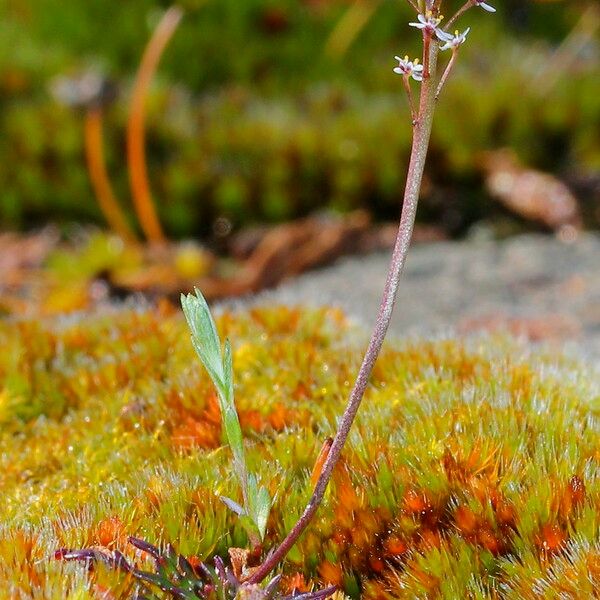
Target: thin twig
136, 157
421, 135
413, 4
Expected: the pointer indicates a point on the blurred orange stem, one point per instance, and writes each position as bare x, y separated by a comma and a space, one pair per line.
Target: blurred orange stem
99, 177
318, 468
136, 157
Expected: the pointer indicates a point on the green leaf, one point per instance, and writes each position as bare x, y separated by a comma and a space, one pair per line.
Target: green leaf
233, 432
263, 508
228, 371
249, 526
259, 505
205, 338
233, 505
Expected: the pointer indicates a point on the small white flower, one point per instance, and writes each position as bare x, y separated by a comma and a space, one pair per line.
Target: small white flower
427, 23
452, 41
409, 68
484, 5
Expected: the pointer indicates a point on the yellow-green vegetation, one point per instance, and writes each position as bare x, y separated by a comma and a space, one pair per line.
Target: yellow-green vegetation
472, 471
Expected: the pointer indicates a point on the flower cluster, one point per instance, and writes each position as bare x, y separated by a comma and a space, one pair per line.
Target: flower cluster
427, 23
452, 41
409, 68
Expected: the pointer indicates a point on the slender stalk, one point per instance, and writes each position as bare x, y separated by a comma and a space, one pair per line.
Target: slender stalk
99, 177
446, 72
464, 8
136, 157
426, 52
421, 135
413, 110
413, 4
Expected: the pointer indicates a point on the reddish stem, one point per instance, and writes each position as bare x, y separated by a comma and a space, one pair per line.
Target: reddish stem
426, 52
413, 111
421, 135
446, 72
465, 7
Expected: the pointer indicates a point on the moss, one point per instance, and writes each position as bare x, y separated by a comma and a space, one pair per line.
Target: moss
472, 470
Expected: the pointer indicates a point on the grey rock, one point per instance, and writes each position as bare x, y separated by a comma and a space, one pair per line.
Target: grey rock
447, 284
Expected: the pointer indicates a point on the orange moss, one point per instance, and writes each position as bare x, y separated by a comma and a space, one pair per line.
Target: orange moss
504, 512
110, 532
572, 497
285, 321
203, 431
521, 381
347, 500
440, 491
394, 546
301, 391
551, 539
430, 538
428, 581
489, 540
196, 563
416, 503
295, 583
281, 417
466, 521
330, 573
25, 544
252, 420
376, 564
154, 492
101, 592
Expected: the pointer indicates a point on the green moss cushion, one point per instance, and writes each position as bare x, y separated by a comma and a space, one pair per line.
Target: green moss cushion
472, 470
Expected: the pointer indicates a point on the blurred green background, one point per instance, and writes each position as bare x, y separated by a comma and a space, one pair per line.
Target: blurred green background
251, 119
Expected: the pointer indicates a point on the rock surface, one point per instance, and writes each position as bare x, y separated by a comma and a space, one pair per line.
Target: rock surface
533, 285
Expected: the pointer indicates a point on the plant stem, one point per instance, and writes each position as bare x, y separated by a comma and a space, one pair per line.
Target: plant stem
421, 135
464, 8
136, 156
99, 177
413, 111
446, 72
426, 52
